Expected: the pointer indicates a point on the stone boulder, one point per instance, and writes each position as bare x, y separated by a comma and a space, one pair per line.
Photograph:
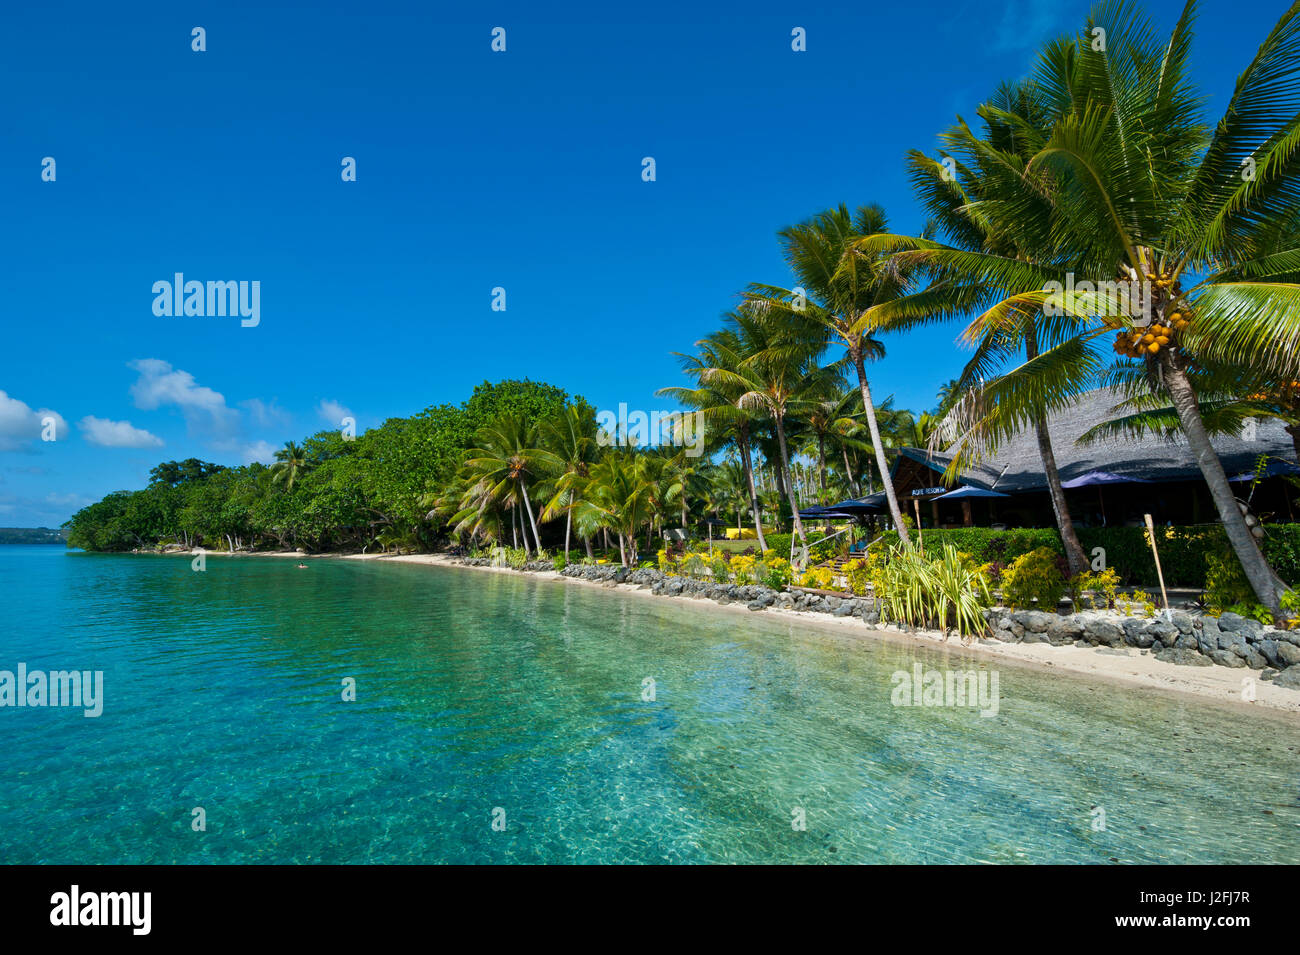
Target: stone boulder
1063, 630
1226, 658
1182, 658
1185, 658
1105, 632
1289, 678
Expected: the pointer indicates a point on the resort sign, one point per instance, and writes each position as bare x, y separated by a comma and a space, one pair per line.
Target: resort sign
922, 491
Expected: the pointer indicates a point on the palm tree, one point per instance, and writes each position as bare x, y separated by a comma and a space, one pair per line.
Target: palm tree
499, 469
715, 492
1132, 217
617, 498
572, 439
719, 402
290, 463
842, 285
779, 375
734, 486
827, 420
964, 192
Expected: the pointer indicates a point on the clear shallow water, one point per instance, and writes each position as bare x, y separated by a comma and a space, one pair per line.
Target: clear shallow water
478, 691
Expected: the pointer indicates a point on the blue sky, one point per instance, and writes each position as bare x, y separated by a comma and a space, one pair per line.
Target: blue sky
475, 170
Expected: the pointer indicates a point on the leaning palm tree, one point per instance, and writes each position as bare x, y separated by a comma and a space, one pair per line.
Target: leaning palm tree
290, 464
965, 191
506, 459
1134, 218
839, 286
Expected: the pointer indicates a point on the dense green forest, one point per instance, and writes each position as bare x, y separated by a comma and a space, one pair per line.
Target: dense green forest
326, 493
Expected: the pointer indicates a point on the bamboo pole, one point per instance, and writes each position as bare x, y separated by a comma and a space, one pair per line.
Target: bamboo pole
1151, 532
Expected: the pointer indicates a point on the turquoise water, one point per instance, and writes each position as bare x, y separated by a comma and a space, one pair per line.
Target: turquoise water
481, 691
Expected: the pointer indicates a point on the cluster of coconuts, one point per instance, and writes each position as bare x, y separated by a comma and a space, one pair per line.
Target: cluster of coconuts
1287, 391
1147, 342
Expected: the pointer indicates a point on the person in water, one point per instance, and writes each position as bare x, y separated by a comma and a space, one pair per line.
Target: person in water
302, 566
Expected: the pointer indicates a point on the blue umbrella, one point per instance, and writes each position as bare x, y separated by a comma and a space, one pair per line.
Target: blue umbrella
872, 504
967, 491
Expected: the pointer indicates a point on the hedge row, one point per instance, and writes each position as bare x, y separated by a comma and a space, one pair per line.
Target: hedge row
1183, 550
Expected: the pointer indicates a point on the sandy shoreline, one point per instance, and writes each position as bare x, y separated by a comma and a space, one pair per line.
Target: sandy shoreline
1127, 667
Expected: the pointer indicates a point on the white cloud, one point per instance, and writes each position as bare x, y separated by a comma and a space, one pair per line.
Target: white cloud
262, 451
333, 412
160, 384
266, 415
19, 424
117, 434
205, 410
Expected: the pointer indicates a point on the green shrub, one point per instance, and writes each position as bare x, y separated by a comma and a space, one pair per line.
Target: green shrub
776, 574
1226, 584
558, 562
816, 578
949, 593
1100, 584
858, 574
779, 543
721, 569
1035, 576
1184, 551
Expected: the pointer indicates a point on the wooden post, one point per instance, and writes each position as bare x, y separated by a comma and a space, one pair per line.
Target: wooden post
965, 512
1151, 531
916, 507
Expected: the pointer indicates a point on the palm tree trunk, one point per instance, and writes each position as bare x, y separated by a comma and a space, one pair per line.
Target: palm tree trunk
785, 468
743, 443
848, 473
874, 427
1074, 555
622, 551
568, 526
1263, 580
528, 506
590, 554
821, 462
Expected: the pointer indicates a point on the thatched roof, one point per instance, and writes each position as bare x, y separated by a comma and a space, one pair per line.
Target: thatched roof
1017, 467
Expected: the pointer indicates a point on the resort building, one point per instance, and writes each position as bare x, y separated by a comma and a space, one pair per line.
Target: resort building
1111, 482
